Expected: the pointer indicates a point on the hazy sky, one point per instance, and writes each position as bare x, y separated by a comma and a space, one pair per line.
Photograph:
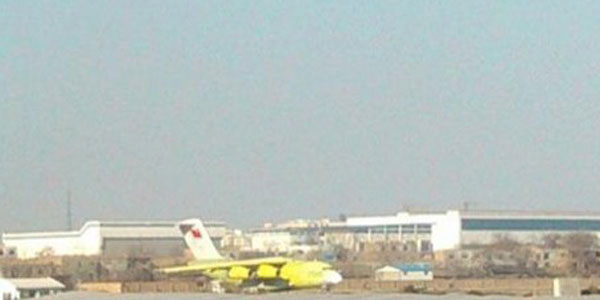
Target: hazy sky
249, 111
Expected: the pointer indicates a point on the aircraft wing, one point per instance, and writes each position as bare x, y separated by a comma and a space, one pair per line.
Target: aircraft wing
199, 267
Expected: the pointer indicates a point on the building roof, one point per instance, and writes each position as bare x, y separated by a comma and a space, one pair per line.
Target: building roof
120, 229
529, 214
387, 269
531, 224
45, 283
415, 267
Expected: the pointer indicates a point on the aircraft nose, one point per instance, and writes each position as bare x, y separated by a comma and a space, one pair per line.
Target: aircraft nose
332, 277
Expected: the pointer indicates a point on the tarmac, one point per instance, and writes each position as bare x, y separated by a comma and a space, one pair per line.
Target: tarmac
286, 296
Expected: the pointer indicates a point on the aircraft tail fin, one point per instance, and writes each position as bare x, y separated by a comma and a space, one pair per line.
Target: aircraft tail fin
198, 241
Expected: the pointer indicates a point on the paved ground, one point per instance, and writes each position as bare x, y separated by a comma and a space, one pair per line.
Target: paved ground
274, 296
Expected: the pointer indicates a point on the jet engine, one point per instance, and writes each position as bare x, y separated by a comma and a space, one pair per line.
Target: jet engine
239, 272
266, 272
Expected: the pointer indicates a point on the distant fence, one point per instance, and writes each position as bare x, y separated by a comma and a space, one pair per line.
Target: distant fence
144, 287
508, 286
520, 286
104, 287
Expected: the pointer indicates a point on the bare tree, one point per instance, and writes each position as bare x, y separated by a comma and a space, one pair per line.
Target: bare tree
551, 241
579, 241
504, 242
582, 247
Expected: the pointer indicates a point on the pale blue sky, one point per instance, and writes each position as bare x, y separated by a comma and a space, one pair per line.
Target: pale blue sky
250, 111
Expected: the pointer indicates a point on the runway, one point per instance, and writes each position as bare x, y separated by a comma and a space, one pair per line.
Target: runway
286, 296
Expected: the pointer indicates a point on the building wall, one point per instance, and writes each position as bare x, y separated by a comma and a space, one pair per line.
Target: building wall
110, 238
236, 240
445, 231
7, 252
387, 274
487, 227
86, 241
441, 230
344, 239
485, 237
416, 276
146, 247
8, 290
279, 241
430, 231
452, 229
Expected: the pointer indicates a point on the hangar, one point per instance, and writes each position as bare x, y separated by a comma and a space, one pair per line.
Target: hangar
437, 230
112, 239
453, 229
483, 227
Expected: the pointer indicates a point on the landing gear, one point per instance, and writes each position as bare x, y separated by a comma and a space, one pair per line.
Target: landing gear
260, 288
216, 287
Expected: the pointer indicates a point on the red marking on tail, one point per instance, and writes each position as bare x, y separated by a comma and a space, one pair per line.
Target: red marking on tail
196, 233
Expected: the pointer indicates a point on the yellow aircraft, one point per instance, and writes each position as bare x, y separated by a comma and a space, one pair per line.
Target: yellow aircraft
266, 274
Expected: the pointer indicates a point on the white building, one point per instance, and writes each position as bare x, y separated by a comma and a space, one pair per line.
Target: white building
106, 238
429, 231
274, 241
406, 272
8, 291
18, 288
387, 273
484, 227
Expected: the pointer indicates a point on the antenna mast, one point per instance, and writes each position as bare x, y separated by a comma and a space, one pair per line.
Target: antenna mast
69, 211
